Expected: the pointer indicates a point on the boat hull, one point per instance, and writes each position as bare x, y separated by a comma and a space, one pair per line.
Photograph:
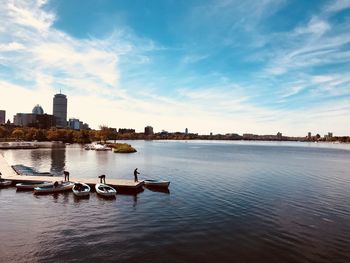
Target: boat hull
31, 186
105, 190
156, 183
66, 186
5, 183
81, 193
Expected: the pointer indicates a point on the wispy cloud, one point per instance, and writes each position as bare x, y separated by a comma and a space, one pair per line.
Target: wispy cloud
209, 82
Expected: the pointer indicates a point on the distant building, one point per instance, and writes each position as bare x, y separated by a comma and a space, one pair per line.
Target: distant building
149, 130
42, 121
38, 110
60, 110
124, 131
74, 124
2, 116
186, 131
164, 132
279, 136
309, 135
23, 119
329, 136
85, 127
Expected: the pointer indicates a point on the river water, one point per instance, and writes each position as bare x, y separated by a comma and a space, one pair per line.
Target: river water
227, 202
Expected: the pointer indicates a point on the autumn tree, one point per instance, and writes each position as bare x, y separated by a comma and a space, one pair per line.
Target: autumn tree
17, 134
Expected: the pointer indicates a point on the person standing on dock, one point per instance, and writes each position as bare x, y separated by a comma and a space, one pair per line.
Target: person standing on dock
135, 175
66, 175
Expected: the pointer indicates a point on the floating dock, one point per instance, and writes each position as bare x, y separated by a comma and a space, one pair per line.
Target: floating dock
120, 184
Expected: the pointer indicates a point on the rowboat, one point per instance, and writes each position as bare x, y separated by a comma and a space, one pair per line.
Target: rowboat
105, 190
54, 188
156, 183
81, 189
4, 182
32, 185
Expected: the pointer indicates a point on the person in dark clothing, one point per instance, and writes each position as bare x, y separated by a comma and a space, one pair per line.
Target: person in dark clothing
135, 175
66, 175
102, 178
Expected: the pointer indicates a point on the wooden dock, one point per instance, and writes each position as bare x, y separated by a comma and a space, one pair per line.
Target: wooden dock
120, 184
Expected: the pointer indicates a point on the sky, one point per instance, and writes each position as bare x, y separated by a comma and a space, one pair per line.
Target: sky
221, 66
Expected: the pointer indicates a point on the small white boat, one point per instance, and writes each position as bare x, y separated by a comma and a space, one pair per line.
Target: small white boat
156, 183
105, 190
104, 148
81, 189
54, 188
32, 185
4, 183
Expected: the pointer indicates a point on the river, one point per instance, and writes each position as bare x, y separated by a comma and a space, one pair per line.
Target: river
227, 202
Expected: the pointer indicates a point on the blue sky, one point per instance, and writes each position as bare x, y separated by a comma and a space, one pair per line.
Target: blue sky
212, 66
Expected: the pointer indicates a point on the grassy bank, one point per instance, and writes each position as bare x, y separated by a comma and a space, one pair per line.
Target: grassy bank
122, 148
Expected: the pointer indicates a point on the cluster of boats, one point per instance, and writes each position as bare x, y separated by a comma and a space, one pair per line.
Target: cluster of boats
79, 189
97, 147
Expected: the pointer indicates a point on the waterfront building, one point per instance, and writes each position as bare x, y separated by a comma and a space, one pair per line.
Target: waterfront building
149, 130
37, 119
2, 117
60, 110
42, 121
23, 119
74, 124
309, 136
186, 131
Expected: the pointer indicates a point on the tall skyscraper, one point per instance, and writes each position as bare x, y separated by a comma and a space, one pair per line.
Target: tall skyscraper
60, 110
2, 116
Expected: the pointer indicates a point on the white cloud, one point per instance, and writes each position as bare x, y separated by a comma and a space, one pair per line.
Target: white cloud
29, 14
13, 46
337, 5
90, 71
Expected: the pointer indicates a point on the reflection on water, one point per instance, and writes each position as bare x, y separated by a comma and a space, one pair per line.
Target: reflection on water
158, 189
58, 158
229, 202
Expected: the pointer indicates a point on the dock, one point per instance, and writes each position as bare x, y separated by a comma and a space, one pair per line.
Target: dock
119, 184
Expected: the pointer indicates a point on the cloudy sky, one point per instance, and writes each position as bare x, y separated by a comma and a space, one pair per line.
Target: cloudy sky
207, 65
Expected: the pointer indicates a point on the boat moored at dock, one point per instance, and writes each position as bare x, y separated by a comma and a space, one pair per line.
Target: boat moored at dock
105, 190
156, 183
32, 185
4, 182
81, 189
54, 188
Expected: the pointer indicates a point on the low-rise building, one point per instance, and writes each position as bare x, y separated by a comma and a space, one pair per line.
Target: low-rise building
42, 121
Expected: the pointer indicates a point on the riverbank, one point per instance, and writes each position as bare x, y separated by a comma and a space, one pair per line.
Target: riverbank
122, 147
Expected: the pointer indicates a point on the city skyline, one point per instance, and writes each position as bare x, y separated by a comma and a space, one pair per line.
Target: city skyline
209, 66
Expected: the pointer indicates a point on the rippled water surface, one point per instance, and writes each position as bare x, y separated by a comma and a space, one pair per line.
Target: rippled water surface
228, 202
